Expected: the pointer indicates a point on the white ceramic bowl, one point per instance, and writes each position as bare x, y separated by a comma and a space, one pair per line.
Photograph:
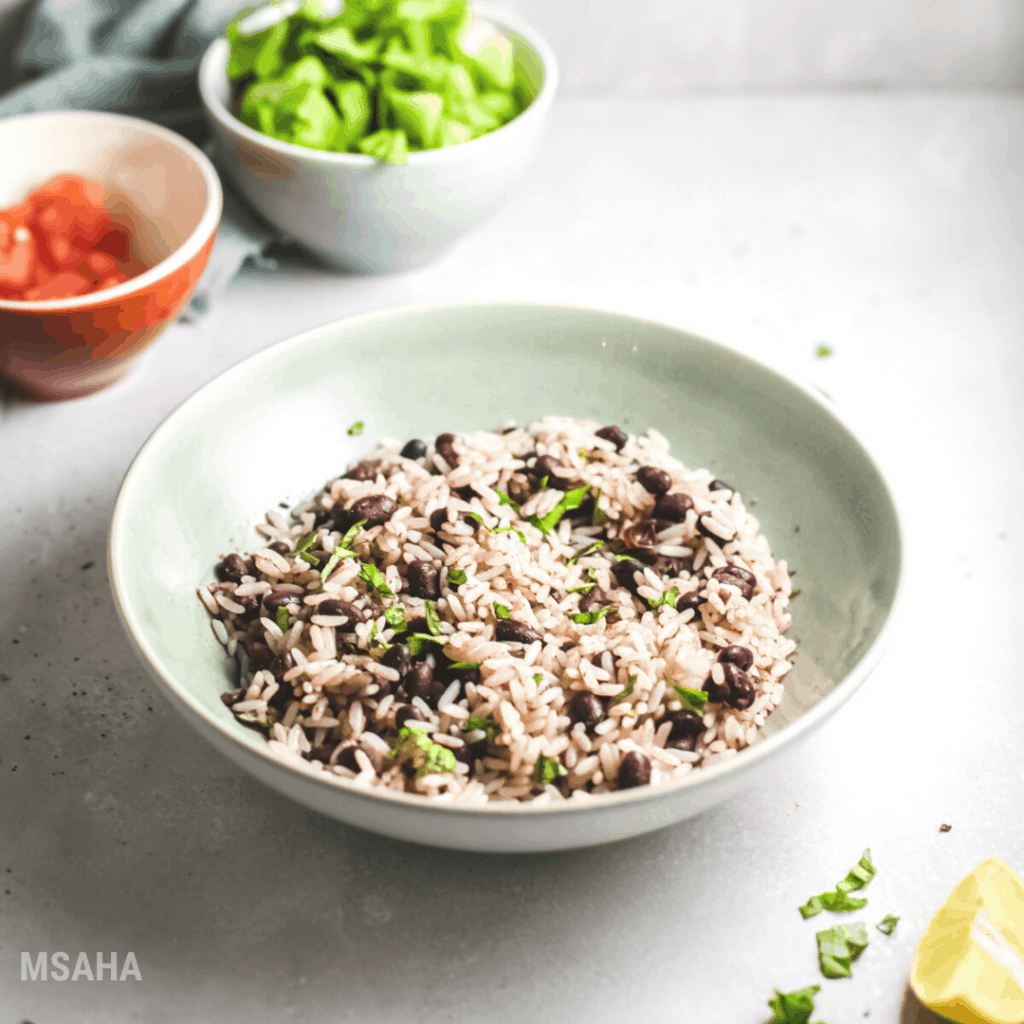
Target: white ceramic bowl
356, 214
212, 468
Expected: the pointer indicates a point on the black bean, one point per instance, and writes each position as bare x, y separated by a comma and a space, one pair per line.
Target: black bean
283, 662
347, 757
397, 657
376, 509
443, 447
693, 600
280, 547
593, 598
634, 770
743, 657
320, 516
467, 494
623, 571
251, 604
738, 571
420, 682
616, 435
439, 519
683, 743
424, 580
332, 606
673, 507
714, 534
282, 599
383, 687
727, 579
717, 692
686, 724
363, 471
719, 485
404, 713
321, 753
233, 568
585, 510
514, 631
586, 708
414, 449
742, 692
418, 625
642, 535
645, 556
232, 698
260, 657
653, 480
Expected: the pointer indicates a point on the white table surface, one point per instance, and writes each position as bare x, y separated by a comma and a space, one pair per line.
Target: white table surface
889, 227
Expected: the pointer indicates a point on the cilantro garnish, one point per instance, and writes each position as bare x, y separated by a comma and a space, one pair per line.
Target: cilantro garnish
838, 947
433, 621
395, 618
795, 593
537, 678
464, 664
794, 1007
356, 429
600, 517
281, 617
456, 577
500, 611
669, 597
887, 924
374, 579
546, 770
429, 758
568, 501
342, 550
596, 546
857, 877
504, 499
693, 699
415, 641
303, 544
486, 725
372, 642
824, 351
589, 618
500, 529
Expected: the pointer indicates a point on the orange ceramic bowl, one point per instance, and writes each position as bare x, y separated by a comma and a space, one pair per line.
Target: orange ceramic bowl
159, 187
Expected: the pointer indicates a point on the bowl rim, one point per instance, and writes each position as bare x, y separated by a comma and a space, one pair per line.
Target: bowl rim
744, 760
192, 245
213, 69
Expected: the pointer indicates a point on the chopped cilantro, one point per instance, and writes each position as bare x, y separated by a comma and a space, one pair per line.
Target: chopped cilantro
500, 611
504, 499
693, 699
589, 618
433, 621
456, 577
840, 901
583, 588
415, 641
501, 529
583, 454
794, 1007
546, 770
464, 664
626, 691
282, 619
537, 678
838, 947
589, 550
395, 618
351, 534
356, 429
372, 642
824, 351
668, 598
303, 544
485, 725
568, 501
600, 517
887, 924
374, 579
337, 555
429, 758
795, 593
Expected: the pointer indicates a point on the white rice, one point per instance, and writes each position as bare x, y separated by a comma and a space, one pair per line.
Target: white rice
507, 722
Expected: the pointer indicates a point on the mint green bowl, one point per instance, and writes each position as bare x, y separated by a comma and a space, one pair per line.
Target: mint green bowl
274, 428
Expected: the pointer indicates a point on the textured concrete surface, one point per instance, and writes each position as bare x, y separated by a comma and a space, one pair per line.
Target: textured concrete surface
890, 228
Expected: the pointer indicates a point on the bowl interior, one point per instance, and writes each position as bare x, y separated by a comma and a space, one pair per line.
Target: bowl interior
275, 428
152, 186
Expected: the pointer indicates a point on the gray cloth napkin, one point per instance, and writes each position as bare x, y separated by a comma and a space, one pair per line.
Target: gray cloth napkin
137, 57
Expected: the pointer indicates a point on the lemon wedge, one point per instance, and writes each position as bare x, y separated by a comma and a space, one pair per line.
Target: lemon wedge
969, 964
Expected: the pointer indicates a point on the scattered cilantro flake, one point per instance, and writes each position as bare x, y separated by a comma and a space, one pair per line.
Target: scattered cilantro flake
589, 550
337, 555
356, 429
371, 640
795, 593
568, 501
583, 588
626, 691
504, 499
887, 925
415, 641
433, 621
589, 618
374, 579
546, 770
350, 536
456, 577
693, 699
583, 454
600, 517
429, 758
537, 677
824, 351
305, 542
500, 611
839, 946
840, 901
395, 618
464, 664
668, 598
282, 619
485, 725
794, 1007
500, 529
